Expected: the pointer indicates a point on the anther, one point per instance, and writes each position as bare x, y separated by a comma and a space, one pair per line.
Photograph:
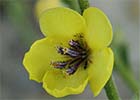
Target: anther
68, 51
59, 64
72, 68
71, 52
75, 44
60, 50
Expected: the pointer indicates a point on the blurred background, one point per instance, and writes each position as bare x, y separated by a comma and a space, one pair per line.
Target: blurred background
19, 28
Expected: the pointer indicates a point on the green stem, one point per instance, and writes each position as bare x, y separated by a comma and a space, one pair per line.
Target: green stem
83, 5
73, 4
111, 90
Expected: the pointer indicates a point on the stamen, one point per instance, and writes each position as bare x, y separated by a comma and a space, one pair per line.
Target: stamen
78, 54
74, 60
68, 51
75, 44
60, 50
59, 64
71, 52
72, 68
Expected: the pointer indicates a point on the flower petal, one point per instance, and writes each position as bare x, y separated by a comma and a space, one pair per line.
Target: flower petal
99, 28
37, 60
61, 22
100, 69
58, 84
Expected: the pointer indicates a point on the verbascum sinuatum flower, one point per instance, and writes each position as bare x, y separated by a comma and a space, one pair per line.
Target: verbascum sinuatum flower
74, 52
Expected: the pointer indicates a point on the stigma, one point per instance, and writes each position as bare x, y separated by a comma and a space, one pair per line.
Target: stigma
77, 53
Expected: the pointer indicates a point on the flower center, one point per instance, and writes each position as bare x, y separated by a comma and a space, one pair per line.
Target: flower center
77, 52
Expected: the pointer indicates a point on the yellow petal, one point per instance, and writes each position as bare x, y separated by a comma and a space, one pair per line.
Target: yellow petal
58, 84
99, 28
37, 60
100, 69
61, 22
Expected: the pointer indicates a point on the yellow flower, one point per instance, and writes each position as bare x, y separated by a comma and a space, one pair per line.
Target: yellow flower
74, 52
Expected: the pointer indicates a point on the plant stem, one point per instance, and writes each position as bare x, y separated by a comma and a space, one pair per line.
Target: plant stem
83, 5
111, 90
73, 4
